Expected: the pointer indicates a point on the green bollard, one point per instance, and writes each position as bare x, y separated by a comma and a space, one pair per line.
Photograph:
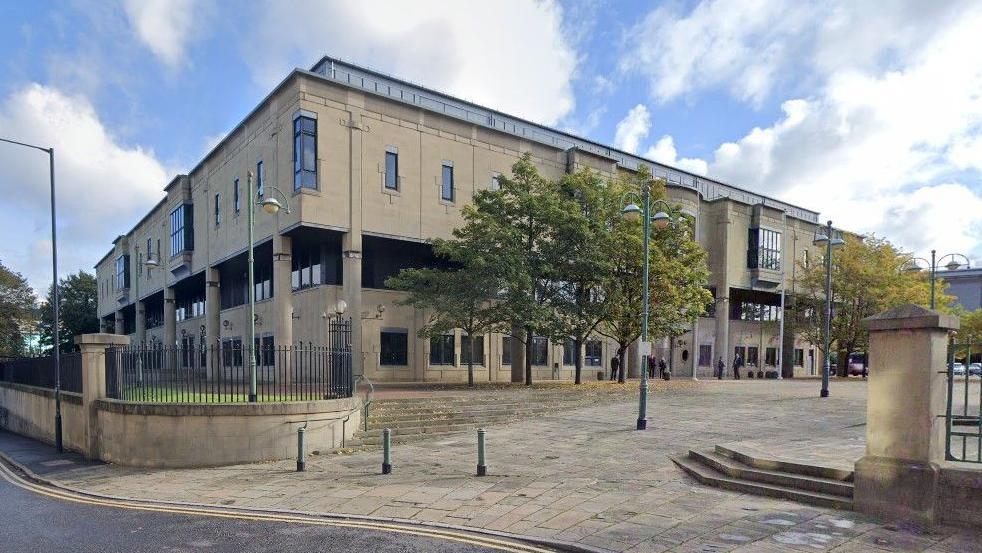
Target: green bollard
301, 449
482, 468
386, 451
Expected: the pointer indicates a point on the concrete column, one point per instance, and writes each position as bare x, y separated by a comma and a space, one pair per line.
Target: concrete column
351, 247
634, 359
722, 342
140, 309
694, 350
517, 354
905, 436
213, 318
282, 290
170, 317
118, 322
93, 352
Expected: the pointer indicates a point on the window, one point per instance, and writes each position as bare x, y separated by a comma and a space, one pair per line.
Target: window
446, 187
753, 357
190, 307
506, 350
442, 350
392, 169
750, 311
235, 196
594, 353
804, 259
764, 249
394, 347
472, 348
540, 350
218, 209
122, 272
232, 352
263, 278
569, 348
187, 352
149, 250
260, 179
306, 268
181, 229
705, 355
264, 351
770, 357
495, 180
799, 357
304, 153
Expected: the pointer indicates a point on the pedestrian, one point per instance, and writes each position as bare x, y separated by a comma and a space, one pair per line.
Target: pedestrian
651, 367
661, 367
615, 364
737, 365
720, 367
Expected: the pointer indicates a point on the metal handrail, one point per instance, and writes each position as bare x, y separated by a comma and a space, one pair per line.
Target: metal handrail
364, 406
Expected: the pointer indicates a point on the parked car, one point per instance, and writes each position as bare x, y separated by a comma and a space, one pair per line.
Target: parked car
975, 369
958, 369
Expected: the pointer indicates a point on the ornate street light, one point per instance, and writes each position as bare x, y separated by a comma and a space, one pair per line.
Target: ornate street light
829, 240
661, 219
934, 264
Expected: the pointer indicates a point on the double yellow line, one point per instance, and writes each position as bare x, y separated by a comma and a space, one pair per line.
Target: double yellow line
426, 532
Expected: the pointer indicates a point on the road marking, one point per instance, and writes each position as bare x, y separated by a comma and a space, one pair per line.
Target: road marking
450, 535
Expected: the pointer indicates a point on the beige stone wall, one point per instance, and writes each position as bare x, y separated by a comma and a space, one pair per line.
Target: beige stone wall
147, 435
30, 411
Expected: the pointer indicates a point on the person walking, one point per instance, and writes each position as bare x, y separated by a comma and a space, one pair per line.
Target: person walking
651, 366
737, 365
661, 367
615, 363
720, 367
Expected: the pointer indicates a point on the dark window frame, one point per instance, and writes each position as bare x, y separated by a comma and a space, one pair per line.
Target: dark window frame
442, 350
394, 347
182, 229
391, 179
304, 168
447, 184
260, 179
236, 196
540, 351
465, 348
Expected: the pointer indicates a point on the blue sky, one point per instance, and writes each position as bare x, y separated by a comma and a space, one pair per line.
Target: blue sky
870, 114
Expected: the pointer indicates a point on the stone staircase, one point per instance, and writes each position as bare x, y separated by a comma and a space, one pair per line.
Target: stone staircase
419, 418
730, 469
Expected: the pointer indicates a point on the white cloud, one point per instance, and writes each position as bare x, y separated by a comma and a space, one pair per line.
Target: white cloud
664, 152
164, 26
510, 55
89, 164
632, 129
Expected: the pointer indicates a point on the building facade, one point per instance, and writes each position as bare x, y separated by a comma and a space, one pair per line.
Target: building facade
371, 167
966, 286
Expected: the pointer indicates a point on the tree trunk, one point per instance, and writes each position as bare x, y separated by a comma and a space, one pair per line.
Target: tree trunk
578, 361
622, 355
528, 356
470, 369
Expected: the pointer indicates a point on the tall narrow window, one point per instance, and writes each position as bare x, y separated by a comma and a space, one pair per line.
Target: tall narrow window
260, 179
304, 153
495, 180
506, 350
218, 208
594, 353
540, 350
122, 272
181, 229
442, 350
764, 249
446, 187
392, 169
472, 347
235, 196
394, 346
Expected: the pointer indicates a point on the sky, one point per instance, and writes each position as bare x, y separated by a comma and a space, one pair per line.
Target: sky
868, 112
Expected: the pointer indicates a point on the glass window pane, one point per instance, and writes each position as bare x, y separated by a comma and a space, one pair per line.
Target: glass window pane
391, 170
447, 187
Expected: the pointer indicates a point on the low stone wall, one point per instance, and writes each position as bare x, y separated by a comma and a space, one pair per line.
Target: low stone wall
30, 411
960, 496
185, 435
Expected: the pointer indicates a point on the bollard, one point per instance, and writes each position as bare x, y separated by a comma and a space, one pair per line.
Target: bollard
301, 449
386, 451
482, 468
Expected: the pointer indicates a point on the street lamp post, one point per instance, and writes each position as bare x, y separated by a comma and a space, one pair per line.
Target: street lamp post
54, 286
828, 241
660, 220
271, 206
935, 263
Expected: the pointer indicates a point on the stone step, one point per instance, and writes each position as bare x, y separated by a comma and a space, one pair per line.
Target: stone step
489, 416
758, 461
710, 477
436, 427
469, 411
735, 469
406, 435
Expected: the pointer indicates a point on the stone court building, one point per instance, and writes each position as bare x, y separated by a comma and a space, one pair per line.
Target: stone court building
372, 167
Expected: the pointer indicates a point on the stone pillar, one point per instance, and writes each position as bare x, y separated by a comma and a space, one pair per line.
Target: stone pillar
351, 247
634, 359
517, 354
93, 352
140, 309
905, 432
283, 290
213, 318
118, 326
721, 346
170, 317
694, 350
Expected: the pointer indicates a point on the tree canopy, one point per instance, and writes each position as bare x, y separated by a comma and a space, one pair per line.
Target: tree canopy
78, 307
18, 312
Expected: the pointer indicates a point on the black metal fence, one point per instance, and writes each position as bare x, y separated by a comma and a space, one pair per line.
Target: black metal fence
40, 371
222, 373
964, 410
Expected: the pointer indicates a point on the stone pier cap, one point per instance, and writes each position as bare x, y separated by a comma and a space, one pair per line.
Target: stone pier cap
910, 317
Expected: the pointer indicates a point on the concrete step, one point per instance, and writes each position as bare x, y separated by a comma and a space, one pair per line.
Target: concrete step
517, 411
756, 460
450, 418
738, 470
710, 477
436, 427
372, 439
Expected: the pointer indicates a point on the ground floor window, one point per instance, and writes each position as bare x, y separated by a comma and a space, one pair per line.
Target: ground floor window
265, 353
187, 351
799, 357
232, 352
594, 353
442, 350
540, 350
569, 351
740, 351
770, 357
472, 347
705, 355
753, 356
506, 350
394, 347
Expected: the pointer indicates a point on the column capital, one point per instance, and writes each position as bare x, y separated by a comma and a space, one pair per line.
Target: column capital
910, 317
101, 339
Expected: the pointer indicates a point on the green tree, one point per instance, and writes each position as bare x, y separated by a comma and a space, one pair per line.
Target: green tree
78, 307
869, 276
971, 327
456, 297
677, 273
17, 312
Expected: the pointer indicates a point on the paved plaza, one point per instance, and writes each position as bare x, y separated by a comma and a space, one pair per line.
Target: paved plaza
585, 476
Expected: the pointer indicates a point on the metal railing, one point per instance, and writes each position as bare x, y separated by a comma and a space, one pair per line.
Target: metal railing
221, 374
40, 371
963, 417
